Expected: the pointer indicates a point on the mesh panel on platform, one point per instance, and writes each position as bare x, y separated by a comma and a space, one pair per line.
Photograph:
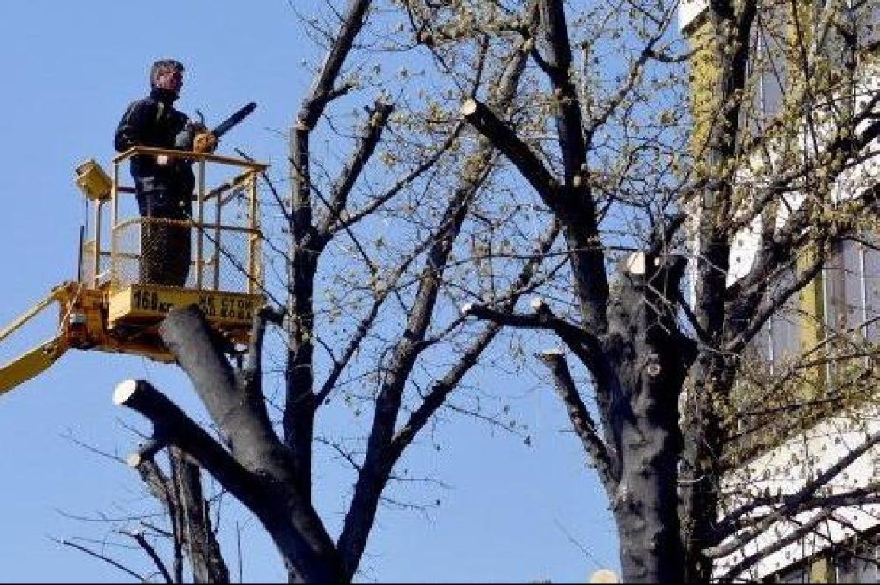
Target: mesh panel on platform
226, 259
161, 251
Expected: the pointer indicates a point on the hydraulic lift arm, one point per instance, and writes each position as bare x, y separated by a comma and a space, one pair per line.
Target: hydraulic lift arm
31, 363
38, 359
82, 324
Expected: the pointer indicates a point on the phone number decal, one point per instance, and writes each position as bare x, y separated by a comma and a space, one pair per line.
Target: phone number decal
226, 307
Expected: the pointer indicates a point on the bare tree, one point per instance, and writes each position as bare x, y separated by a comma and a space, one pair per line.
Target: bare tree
655, 173
368, 320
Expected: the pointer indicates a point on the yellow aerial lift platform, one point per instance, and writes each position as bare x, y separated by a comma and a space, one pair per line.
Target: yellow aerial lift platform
109, 309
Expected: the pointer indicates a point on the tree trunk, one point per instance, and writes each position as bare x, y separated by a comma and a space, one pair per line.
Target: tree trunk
649, 362
702, 471
258, 468
646, 505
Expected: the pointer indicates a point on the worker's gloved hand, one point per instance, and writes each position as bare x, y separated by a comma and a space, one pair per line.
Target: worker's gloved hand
204, 142
184, 139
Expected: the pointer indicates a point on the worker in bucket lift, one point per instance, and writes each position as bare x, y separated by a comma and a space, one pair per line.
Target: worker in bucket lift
163, 184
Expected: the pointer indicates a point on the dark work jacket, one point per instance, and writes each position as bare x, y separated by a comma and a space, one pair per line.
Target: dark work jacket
153, 121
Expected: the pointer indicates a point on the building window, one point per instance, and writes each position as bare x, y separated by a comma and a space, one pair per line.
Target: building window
767, 70
853, 290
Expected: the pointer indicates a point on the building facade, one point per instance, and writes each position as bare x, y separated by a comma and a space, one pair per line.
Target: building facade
823, 344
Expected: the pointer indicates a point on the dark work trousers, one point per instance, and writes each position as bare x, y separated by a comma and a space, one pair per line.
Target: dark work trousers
166, 246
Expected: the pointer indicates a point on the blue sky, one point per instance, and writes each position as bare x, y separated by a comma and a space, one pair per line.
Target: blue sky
511, 512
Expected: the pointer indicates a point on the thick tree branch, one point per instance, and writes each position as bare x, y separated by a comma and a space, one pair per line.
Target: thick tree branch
240, 416
569, 124
581, 421
176, 428
305, 247
502, 137
322, 88
583, 343
281, 499
573, 204
288, 517
728, 47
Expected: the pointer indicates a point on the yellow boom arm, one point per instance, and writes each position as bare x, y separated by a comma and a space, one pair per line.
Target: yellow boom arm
32, 362
28, 365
